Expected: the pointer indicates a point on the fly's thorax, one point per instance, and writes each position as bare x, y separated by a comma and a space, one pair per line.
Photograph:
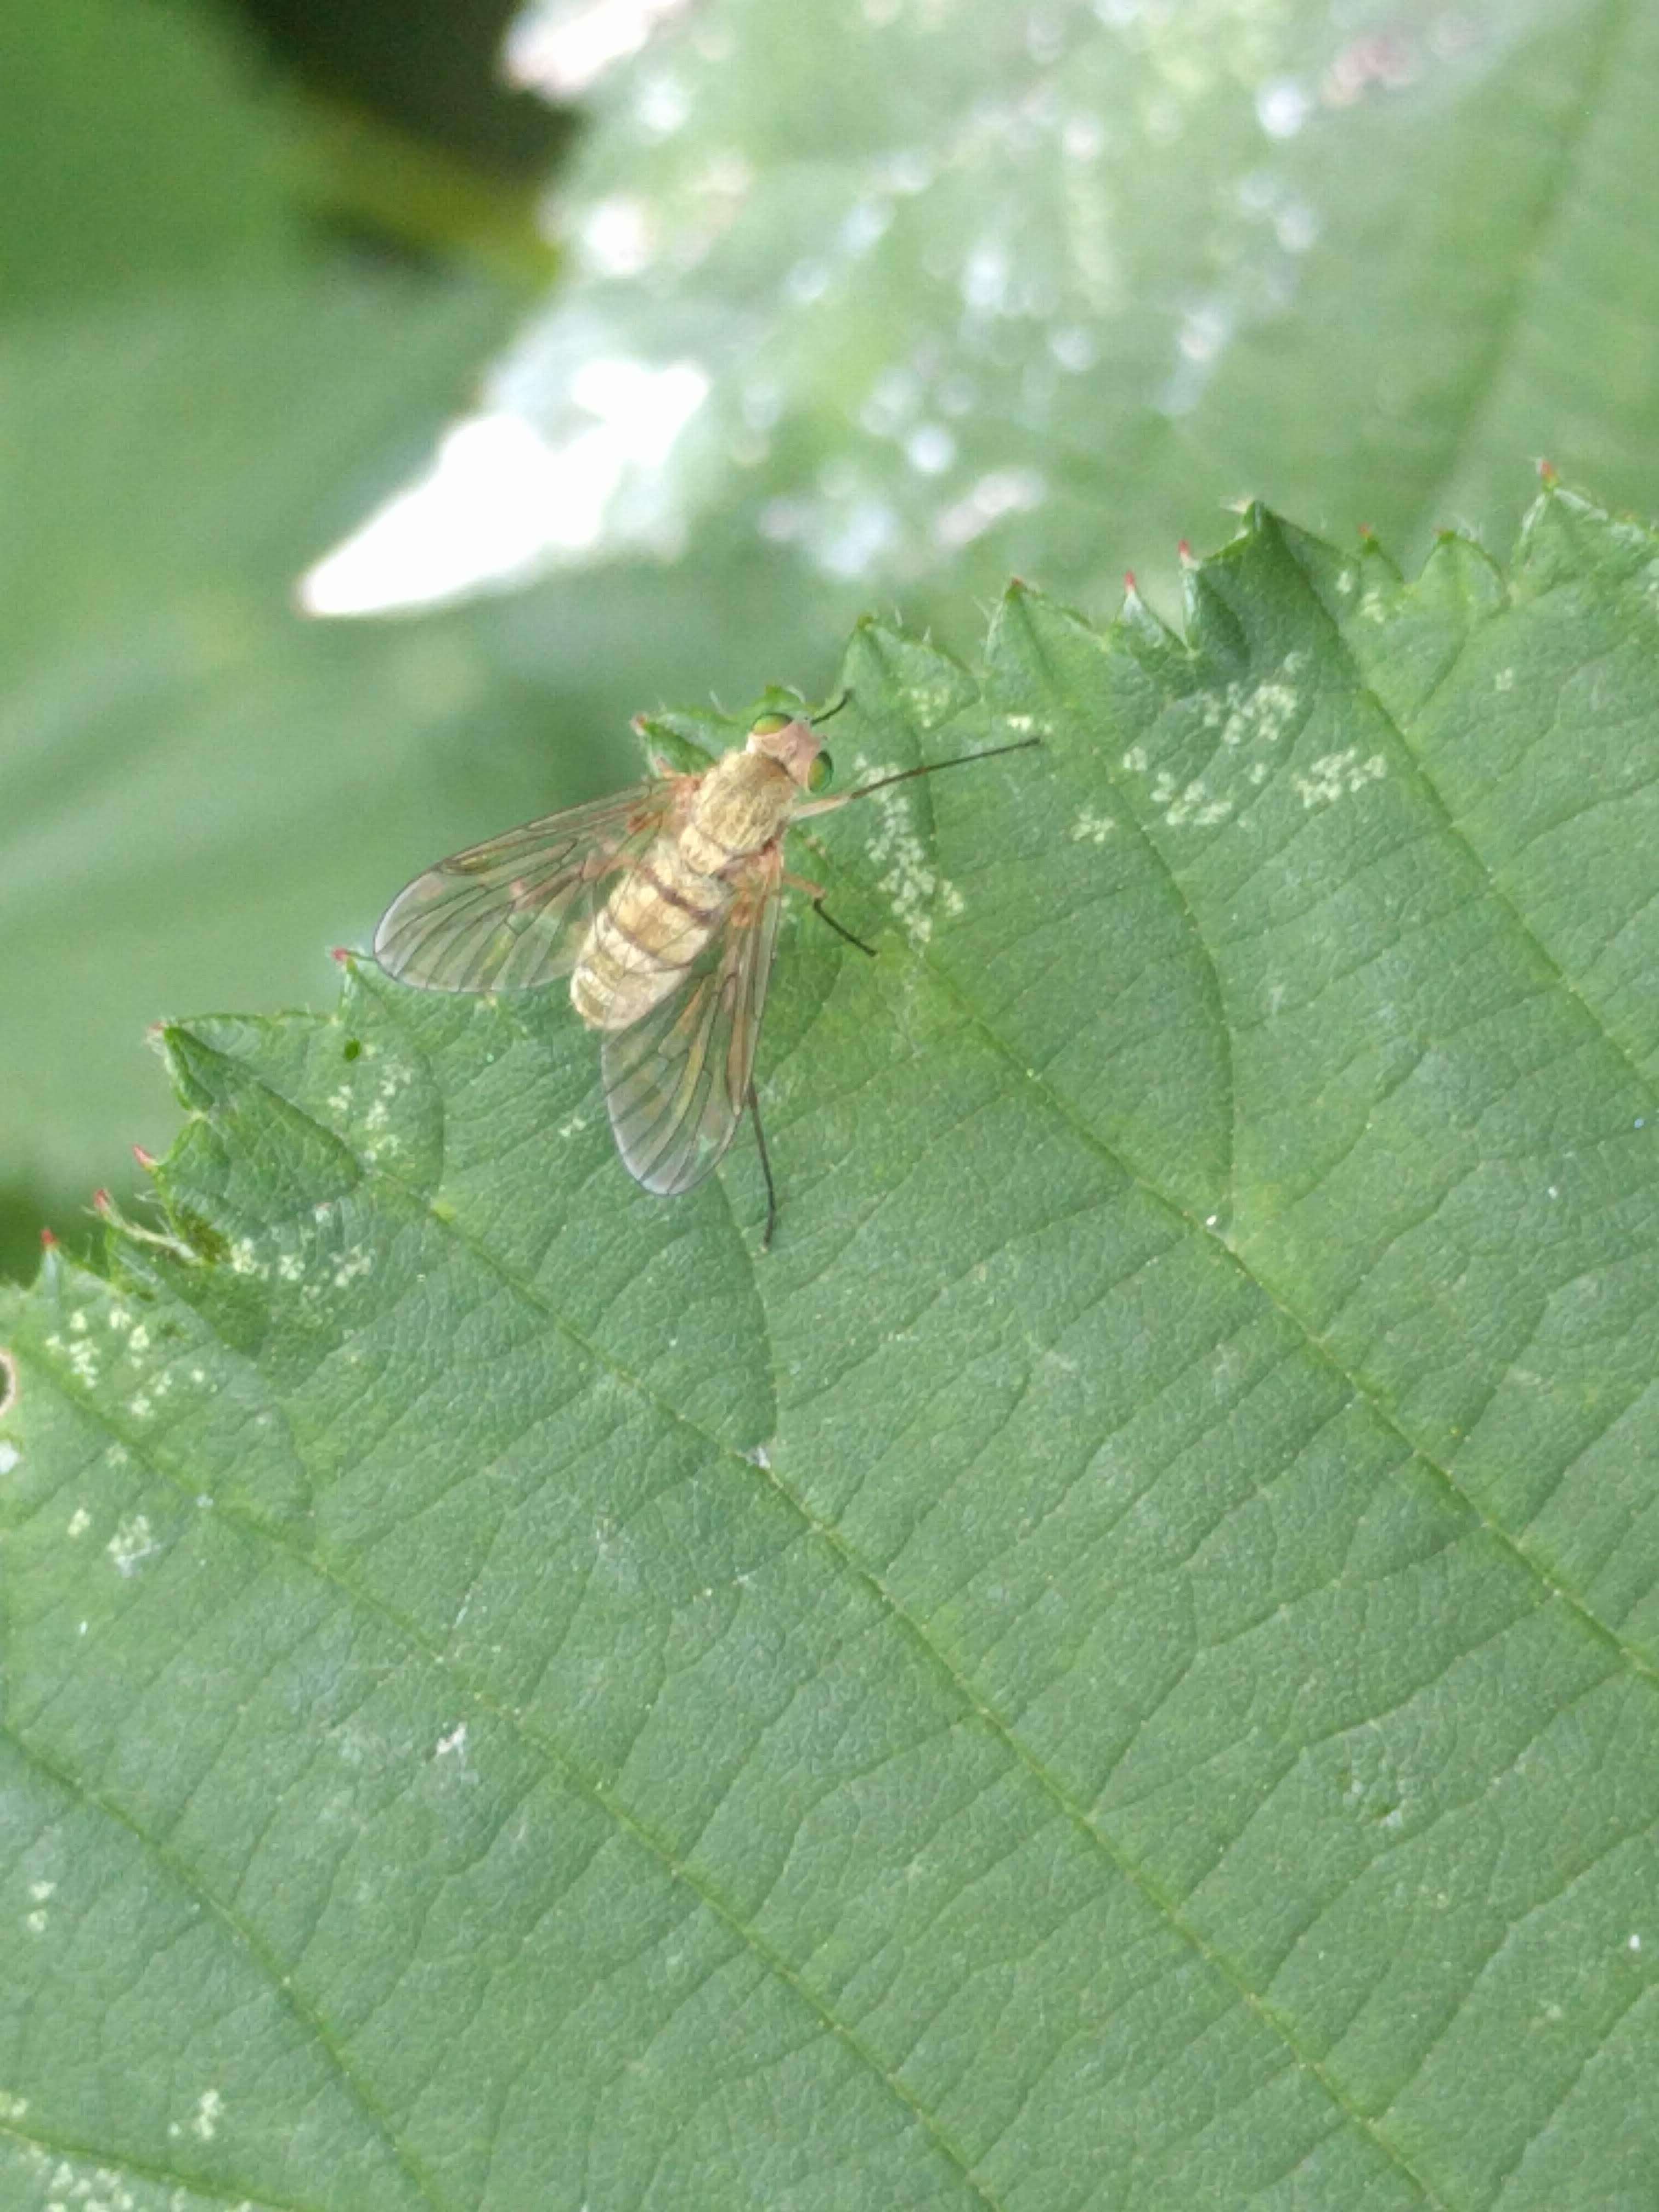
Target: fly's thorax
742, 804
655, 922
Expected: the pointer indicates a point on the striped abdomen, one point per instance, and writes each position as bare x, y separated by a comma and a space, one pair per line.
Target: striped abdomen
652, 927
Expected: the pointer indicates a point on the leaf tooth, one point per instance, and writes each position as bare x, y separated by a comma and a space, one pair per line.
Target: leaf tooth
1566, 538
934, 687
1460, 572
1136, 623
265, 1149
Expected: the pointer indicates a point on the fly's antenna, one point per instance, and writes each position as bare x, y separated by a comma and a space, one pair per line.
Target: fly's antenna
933, 768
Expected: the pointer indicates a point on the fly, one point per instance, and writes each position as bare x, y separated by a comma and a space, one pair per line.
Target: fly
661, 904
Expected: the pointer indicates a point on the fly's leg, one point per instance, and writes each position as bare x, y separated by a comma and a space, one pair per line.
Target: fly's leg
815, 892
819, 909
765, 1169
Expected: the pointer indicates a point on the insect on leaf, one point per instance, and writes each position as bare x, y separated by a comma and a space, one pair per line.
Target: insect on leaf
677, 1082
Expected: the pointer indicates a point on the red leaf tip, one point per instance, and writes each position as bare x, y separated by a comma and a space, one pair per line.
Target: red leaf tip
343, 953
48, 1239
146, 1160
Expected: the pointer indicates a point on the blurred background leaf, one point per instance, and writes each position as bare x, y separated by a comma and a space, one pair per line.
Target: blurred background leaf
194, 397
862, 305
980, 288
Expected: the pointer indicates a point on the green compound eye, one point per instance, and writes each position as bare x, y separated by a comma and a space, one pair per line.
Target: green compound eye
820, 772
768, 725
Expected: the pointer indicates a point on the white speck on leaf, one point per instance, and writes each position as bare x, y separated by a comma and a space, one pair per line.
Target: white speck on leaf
355, 1262
1334, 775
1189, 803
909, 882
1244, 714
132, 1543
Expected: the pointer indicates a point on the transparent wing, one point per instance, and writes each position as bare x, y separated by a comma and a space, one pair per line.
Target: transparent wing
677, 1082
513, 912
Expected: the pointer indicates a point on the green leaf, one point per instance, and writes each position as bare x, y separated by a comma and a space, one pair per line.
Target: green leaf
135, 148
1117, 1665
199, 786
987, 288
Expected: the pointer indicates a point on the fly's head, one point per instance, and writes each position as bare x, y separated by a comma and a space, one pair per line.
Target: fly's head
791, 741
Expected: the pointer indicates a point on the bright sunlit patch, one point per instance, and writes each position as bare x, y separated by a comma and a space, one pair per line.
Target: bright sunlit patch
1003, 491
500, 501
561, 47
617, 237
1282, 108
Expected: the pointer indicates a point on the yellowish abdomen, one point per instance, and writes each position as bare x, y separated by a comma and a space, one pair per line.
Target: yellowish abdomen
649, 931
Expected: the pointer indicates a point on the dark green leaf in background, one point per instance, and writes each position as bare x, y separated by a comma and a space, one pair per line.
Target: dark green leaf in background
1116, 1667
134, 151
199, 787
